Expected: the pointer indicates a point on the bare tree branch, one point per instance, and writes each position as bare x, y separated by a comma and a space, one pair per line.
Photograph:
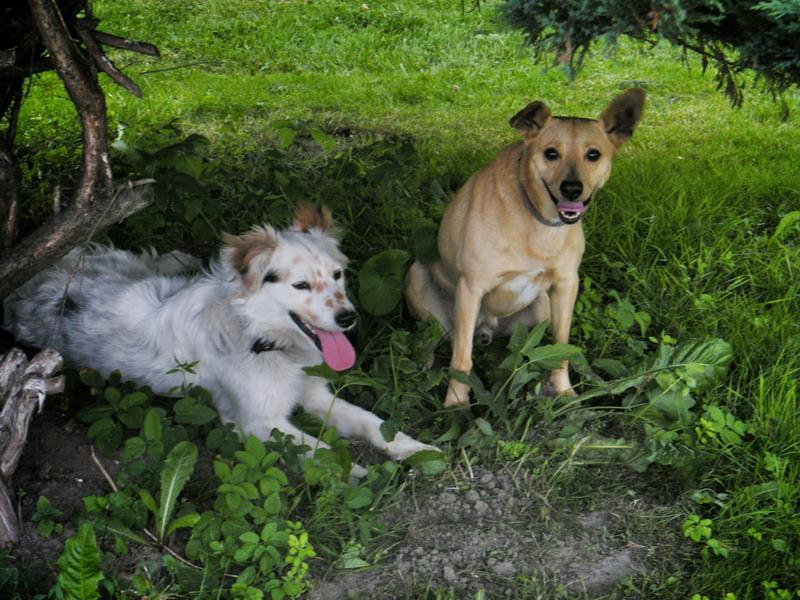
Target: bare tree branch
124, 44
85, 93
75, 225
85, 28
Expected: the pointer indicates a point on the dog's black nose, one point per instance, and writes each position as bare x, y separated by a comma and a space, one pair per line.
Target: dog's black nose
571, 189
346, 319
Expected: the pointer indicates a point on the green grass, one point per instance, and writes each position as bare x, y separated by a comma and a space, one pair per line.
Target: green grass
684, 229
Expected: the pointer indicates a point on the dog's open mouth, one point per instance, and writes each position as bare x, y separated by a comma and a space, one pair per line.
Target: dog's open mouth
570, 212
337, 351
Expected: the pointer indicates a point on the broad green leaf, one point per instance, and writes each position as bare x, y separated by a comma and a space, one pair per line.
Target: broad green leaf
785, 223
134, 447
187, 520
79, 566
484, 427
389, 429
249, 537
430, 462
255, 447
273, 504
149, 502
191, 412
132, 399
550, 356
380, 281
352, 562
358, 497
326, 142
92, 378
278, 475
246, 458
451, 434
151, 429
178, 467
112, 396
222, 470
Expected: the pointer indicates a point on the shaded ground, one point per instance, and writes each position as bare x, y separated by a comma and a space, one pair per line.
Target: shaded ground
483, 530
490, 532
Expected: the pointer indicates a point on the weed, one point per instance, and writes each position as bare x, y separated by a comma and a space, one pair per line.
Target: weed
46, 518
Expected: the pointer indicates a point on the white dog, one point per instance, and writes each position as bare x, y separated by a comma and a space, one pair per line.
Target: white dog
273, 304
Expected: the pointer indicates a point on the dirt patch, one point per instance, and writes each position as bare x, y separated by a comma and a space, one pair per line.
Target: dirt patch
57, 464
486, 530
490, 532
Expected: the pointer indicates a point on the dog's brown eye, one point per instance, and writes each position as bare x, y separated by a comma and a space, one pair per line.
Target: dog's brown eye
301, 285
337, 274
551, 154
593, 155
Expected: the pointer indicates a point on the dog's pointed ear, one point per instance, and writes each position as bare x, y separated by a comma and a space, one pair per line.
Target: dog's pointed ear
245, 252
307, 217
620, 118
531, 119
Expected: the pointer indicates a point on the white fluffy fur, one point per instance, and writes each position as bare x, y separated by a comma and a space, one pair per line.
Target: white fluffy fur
110, 309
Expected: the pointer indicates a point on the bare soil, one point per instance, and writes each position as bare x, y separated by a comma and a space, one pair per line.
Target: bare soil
490, 532
483, 530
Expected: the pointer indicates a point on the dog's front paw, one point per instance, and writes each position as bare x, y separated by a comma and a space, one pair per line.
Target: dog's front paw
403, 446
357, 473
457, 394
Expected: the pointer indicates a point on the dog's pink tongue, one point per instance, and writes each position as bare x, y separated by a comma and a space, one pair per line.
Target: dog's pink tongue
337, 350
578, 207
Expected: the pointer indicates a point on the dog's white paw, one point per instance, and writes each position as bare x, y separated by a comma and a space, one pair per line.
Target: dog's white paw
357, 473
403, 446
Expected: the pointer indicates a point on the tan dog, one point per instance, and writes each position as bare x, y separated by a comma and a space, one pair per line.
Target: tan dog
511, 241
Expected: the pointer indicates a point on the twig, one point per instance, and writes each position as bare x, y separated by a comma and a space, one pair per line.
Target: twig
194, 64
103, 470
125, 44
171, 551
85, 31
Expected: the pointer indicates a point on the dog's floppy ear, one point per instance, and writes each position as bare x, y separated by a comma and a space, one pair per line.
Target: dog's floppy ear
619, 119
307, 217
241, 251
531, 119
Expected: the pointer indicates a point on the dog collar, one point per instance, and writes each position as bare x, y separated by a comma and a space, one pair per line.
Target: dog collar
262, 345
527, 203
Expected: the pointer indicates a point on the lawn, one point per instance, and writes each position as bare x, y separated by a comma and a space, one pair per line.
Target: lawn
688, 427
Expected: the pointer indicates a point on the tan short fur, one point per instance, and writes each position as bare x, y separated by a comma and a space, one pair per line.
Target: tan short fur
506, 253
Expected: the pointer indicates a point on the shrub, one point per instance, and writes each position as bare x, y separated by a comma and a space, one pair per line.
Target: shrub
734, 35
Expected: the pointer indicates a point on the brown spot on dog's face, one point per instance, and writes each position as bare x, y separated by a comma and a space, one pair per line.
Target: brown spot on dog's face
339, 296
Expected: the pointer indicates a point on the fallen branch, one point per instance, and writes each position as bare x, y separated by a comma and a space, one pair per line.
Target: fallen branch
23, 388
75, 225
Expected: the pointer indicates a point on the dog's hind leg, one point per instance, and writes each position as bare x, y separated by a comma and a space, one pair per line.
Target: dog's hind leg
426, 299
354, 422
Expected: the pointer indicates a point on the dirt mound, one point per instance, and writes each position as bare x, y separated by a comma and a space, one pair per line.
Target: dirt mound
489, 532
